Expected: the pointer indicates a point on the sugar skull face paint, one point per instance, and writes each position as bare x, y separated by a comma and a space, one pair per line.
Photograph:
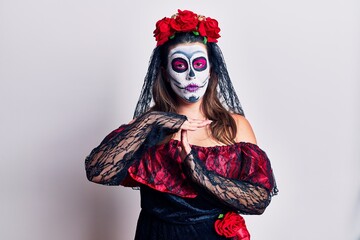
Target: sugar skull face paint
189, 71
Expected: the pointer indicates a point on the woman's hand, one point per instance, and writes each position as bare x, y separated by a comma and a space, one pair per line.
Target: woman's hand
194, 124
185, 146
189, 125
185, 153
185, 150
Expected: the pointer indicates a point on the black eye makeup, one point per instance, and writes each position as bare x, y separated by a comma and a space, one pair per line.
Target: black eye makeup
199, 64
179, 65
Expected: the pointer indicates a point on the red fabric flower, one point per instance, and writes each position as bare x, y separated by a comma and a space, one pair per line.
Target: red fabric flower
163, 30
185, 21
232, 225
209, 28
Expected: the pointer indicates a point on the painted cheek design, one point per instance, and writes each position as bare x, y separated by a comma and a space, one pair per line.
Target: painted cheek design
179, 65
199, 64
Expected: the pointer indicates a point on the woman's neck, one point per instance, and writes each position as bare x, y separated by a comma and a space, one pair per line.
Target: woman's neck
191, 110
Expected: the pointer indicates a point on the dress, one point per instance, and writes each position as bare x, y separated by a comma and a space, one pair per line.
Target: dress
176, 203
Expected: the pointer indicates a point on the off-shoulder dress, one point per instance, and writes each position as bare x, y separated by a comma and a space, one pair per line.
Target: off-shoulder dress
178, 203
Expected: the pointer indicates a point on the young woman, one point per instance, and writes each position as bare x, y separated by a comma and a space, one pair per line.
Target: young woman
192, 153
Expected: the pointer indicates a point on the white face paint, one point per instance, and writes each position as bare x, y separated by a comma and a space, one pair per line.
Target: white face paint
189, 71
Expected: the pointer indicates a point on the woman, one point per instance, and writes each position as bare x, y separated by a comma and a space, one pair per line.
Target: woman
193, 154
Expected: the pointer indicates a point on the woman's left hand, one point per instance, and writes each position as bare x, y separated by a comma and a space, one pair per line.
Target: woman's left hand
185, 151
185, 146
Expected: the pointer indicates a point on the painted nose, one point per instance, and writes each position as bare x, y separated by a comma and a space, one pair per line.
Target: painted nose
191, 75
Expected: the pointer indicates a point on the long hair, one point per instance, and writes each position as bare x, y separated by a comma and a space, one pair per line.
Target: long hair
223, 128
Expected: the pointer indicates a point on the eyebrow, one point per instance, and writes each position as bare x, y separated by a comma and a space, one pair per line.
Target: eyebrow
187, 55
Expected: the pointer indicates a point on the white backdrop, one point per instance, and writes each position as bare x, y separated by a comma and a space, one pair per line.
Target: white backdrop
71, 71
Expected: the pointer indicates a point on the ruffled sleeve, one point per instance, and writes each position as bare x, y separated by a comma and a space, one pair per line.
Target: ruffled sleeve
161, 168
238, 176
244, 183
108, 163
256, 168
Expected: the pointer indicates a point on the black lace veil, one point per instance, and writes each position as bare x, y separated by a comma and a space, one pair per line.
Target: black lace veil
226, 91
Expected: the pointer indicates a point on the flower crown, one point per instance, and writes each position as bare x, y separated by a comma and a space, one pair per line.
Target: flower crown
186, 21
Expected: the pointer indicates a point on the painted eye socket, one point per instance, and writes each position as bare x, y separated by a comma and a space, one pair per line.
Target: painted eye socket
179, 65
199, 64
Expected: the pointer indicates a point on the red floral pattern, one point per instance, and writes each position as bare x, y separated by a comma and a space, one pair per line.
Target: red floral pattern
186, 21
161, 166
232, 225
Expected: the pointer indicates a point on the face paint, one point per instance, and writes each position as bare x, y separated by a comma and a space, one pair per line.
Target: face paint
189, 71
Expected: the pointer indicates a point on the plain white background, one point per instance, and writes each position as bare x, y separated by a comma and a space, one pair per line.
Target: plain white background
71, 71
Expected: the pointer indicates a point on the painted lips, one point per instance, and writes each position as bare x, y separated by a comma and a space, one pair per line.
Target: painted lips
192, 87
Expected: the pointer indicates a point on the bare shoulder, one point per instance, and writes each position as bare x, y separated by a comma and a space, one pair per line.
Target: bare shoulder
244, 132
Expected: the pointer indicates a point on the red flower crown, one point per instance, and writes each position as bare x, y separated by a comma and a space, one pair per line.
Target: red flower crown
186, 21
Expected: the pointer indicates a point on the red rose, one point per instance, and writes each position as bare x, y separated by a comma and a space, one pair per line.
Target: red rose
232, 225
163, 31
209, 28
185, 21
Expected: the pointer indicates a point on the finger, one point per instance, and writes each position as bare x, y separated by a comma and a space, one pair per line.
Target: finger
182, 152
195, 120
185, 141
204, 123
188, 126
179, 149
192, 126
191, 120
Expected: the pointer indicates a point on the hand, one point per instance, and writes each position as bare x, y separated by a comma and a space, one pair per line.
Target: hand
185, 149
189, 125
194, 124
185, 146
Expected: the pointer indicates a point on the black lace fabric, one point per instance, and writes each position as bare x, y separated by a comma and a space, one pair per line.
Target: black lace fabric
225, 91
240, 196
108, 163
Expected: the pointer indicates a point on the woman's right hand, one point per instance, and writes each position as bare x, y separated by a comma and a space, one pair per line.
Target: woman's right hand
194, 124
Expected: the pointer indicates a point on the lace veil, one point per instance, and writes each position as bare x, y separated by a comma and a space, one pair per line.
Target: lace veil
225, 90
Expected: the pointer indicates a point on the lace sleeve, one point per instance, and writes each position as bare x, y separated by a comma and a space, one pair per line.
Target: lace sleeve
244, 197
108, 163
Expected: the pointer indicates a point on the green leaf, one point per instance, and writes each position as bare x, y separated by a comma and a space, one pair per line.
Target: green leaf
196, 33
221, 215
205, 40
171, 37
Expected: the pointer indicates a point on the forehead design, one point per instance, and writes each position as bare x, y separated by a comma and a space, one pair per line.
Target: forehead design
188, 51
